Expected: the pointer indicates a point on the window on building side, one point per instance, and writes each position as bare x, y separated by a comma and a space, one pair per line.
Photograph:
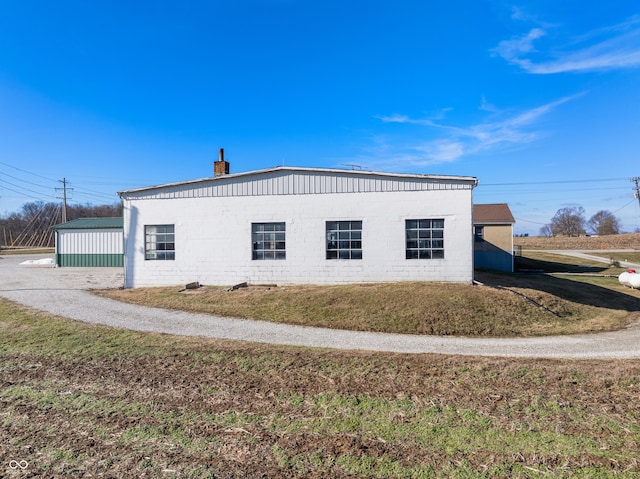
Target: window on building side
425, 239
478, 233
344, 239
268, 240
159, 242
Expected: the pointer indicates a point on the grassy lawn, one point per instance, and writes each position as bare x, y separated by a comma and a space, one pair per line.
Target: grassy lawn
545, 304
556, 263
79, 400
632, 257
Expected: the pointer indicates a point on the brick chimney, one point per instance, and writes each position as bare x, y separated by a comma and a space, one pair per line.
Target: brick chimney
220, 167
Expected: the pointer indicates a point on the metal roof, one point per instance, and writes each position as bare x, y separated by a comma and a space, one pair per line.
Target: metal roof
473, 181
90, 224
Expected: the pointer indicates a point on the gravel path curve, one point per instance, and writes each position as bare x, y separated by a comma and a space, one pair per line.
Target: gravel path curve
63, 292
586, 254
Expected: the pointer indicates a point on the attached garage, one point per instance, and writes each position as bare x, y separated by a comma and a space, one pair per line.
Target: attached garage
90, 242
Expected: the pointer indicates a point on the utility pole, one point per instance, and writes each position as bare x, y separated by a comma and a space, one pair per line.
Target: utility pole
636, 180
64, 198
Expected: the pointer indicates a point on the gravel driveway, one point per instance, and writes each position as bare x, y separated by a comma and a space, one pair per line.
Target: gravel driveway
63, 292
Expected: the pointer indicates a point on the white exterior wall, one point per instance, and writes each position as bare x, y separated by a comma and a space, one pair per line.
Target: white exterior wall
213, 238
101, 241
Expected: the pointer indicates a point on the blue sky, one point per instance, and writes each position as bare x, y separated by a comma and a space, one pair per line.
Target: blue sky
539, 100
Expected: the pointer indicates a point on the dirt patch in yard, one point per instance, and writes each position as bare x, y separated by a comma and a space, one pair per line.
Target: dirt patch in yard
80, 400
228, 410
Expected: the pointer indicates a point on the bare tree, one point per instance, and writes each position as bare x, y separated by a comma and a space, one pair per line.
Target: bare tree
546, 231
568, 221
93, 211
604, 223
31, 226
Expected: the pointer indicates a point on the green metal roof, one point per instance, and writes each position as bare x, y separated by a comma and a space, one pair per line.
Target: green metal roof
90, 224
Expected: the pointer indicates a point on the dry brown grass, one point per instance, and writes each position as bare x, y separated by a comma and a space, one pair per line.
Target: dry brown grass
633, 257
558, 263
563, 306
11, 251
622, 241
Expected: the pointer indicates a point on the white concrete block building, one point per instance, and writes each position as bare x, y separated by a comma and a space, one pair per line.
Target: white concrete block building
288, 225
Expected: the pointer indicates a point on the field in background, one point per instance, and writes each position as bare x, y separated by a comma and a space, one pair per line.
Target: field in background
622, 241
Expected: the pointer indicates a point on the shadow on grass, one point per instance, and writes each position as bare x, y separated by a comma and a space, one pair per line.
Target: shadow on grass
528, 264
567, 289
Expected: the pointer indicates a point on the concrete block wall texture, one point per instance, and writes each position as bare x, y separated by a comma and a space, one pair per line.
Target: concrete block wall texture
213, 238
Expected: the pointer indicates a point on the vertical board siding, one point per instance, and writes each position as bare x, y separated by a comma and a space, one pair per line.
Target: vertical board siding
298, 183
90, 241
90, 260
100, 247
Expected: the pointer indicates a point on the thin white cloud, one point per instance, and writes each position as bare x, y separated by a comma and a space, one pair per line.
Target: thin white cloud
454, 142
518, 13
398, 118
486, 106
515, 48
441, 151
612, 47
395, 118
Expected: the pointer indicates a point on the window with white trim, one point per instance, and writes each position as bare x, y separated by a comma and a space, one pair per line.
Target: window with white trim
344, 239
425, 239
159, 242
268, 240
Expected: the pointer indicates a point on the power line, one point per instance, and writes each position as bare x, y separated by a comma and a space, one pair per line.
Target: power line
21, 193
86, 192
529, 221
623, 207
556, 182
543, 224
25, 181
26, 171
23, 189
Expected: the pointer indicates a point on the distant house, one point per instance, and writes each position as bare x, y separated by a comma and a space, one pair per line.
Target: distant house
90, 242
288, 225
493, 237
